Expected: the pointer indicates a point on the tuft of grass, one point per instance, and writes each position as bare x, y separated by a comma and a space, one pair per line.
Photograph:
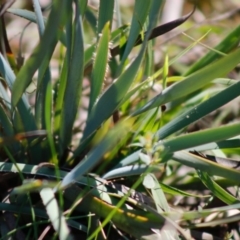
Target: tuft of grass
101, 152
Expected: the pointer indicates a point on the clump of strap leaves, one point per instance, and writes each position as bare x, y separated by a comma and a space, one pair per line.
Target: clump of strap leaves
111, 176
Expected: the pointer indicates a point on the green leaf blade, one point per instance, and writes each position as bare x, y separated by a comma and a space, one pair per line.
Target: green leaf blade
141, 11
72, 92
100, 65
43, 51
226, 45
55, 214
202, 137
199, 111
216, 189
105, 14
205, 165
193, 82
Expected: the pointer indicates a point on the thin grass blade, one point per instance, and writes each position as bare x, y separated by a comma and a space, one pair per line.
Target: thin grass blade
31, 16
26, 14
39, 17
44, 75
55, 214
105, 14
160, 200
64, 73
199, 111
140, 13
43, 51
99, 66
132, 170
24, 115
216, 189
225, 46
194, 82
130, 159
205, 165
72, 92
177, 192
202, 137
232, 143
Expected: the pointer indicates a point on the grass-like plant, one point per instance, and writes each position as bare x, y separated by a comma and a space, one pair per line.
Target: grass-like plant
121, 172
